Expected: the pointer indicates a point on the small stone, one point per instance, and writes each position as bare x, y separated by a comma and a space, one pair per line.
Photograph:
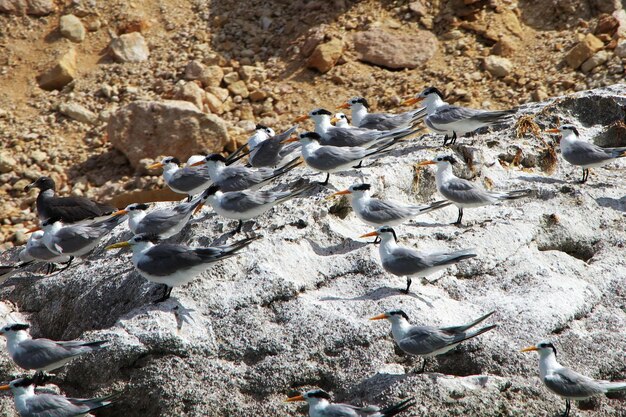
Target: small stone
130, 47
251, 73
212, 76
239, 88
418, 8
221, 93
539, 95
599, 58
194, 70
38, 156
61, 74
326, 55
504, 47
191, 92
607, 24
72, 28
214, 103
620, 49
7, 163
497, 66
31, 7
395, 49
583, 51
258, 95
21, 184
231, 77
78, 112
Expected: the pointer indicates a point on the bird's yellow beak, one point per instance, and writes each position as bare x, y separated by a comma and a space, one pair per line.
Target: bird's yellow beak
552, 131
370, 234
529, 349
411, 101
5, 388
334, 120
380, 317
294, 399
34, 229
424, 163
344, 106
291, 139
338, 193
118, 245
156, 165
119, 213
301, 118
195, 164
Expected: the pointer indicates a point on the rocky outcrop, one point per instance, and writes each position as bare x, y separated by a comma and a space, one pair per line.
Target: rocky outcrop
395, 49
291, 312
61, 74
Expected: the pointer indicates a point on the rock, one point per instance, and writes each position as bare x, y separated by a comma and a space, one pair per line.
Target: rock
326, 55
620, 49
583, 51
31, 7
258, 95
395, 49
130, 47
61, 74
239, 88
214, 103
606, 6
191, 92
504, 47
231, 77
220, 93
599, 58
418, 8
607, 24
212, 76
250, 73
78, 112
7, 163
194, 70
149, 129
38, 156
497, 66
72, 28
314, 37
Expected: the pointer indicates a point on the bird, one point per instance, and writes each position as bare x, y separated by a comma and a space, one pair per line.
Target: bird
341, 120
186, 180
69, 209
320, 406
265, 148
76, 240
165, 222
405, 262
353, 136
376, 212
582, 153
30, 404
247, 204
239, 177
36, 250
43, 355
429, 341
380, 121
193, 159
7, 271
330, 159
463, 193
453, 121
174, 265
565, 382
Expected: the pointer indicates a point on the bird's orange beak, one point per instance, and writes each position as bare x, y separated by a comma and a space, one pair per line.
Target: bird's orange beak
380, 317
552, 131
294, 399
529, 349
424, 163
291, 139
301, 118
198, 208
156, 165
370, 234
119, 213
34, 229
344, 106
338, 193
195, 164
411, 101
5, 388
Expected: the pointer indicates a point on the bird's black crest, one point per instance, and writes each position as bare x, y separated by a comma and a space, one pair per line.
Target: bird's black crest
215, 157
572, 128
44, 183
147, 237
23, 382
212, 189
320, 393
546, 345
448, 158
362, 101
432, 90
311, 135
399, 313
259, 127
387, 229
19, 326
322, 111
142, 206
362, 187
172, 160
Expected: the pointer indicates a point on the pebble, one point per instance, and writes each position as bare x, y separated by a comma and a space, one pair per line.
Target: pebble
72, 28
130, 47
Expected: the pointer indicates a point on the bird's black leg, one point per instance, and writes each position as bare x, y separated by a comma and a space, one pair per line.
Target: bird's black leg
423, 366
445, 140
453, 141
67, 264
50, 268
189, 198
568, 406
166, 294
408, 285
585, 175
458, 220
326, 180
359, 165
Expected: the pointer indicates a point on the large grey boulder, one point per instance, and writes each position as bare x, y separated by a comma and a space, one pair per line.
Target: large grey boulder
291, 312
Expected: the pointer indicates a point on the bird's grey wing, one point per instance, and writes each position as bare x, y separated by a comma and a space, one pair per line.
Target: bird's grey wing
585, 153
52, 405
159, 221
39, 353
247, 200
74, 238
340, 136
341, 410
240, 178
166, 259
422, 340
379, 211
463, 191
568, 383
187, 179
405, 262
330, 157
385, 121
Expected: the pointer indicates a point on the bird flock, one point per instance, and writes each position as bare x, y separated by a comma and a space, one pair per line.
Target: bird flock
234, 187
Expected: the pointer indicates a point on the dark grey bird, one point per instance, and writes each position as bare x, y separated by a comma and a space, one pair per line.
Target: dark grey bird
36, 250
187, 180
67, 209
566, 383
320, 406
266, 149
30, 404
380, 121
43, 355
429, 341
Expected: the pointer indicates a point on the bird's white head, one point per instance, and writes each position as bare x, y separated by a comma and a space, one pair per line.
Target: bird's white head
133, 209
565, 130
392, 316
9, 330
355, 190
20, 386
340, 120
544, 349
312, 397
138, 242
386, 234
167, 163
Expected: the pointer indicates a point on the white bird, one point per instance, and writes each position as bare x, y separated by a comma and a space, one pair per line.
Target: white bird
376, 212
193, 159
265, 148
463, 193
405, 262
453, 121
29, 404
566, 383
186, 180
380, 121
320, 406
175, 265
341, 120
37, 250
429, 341
580, 152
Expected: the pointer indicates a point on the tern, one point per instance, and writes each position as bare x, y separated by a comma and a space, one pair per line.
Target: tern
429, 341
76, 240
29, 404
68, 209
566, 383
581, 153
187, 180
463, 193
376, 212
43, 355
380, 121
245, 205
175, 265
266, 150
193, 159
165, 222
36, 249
341, 120
320, 406
405, 262
330, 159
453, 121
238, 177
353, 136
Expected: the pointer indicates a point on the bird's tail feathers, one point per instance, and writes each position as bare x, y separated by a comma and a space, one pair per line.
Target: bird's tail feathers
101, 402
398, 408
431, 207
514, 195
476, 322
614, 386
